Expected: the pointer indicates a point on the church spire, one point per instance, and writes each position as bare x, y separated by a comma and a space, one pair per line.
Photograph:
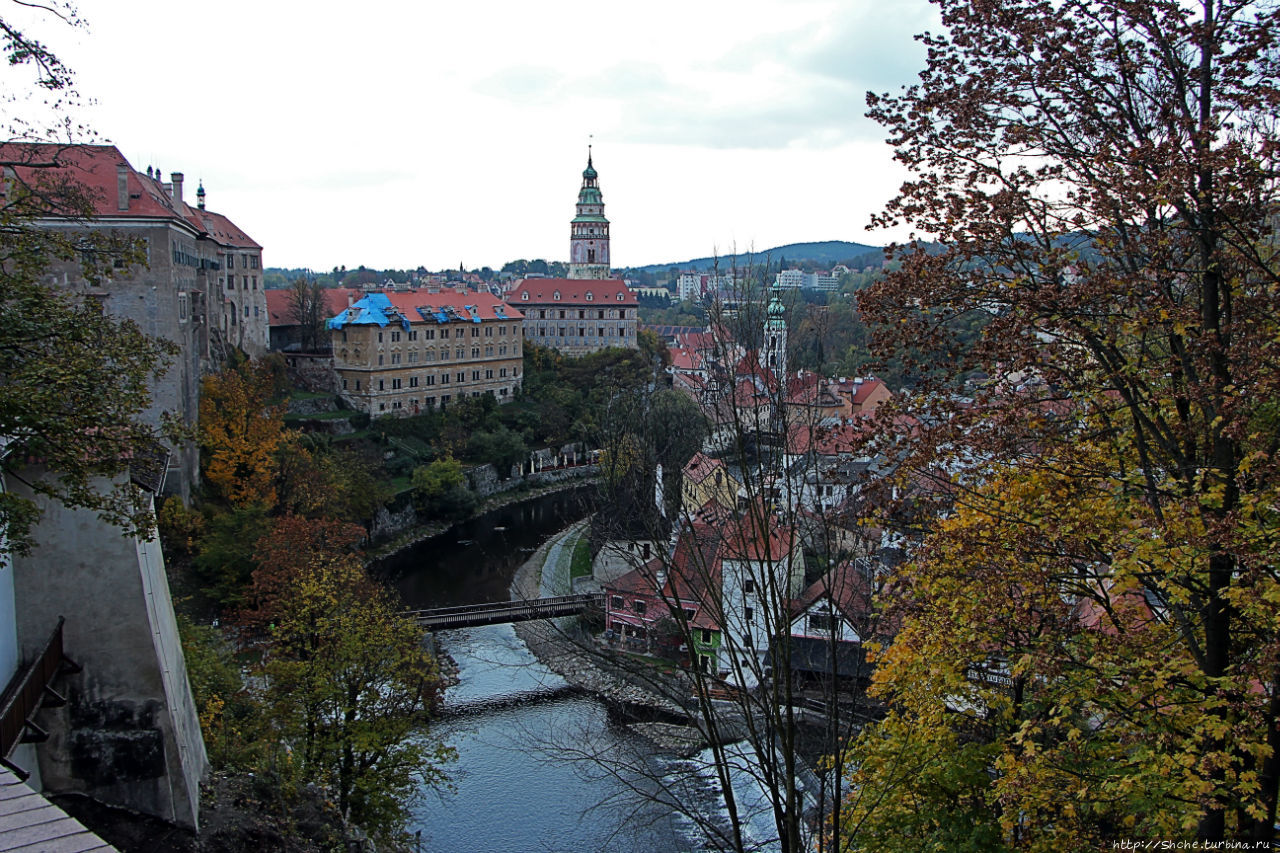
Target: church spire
589, 230
775, 336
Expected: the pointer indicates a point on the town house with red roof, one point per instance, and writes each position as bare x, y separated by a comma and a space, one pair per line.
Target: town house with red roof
406, 352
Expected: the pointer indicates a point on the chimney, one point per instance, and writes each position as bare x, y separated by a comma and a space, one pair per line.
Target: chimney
122, 186
176, 177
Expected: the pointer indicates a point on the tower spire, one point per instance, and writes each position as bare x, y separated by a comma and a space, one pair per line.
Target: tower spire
589, 230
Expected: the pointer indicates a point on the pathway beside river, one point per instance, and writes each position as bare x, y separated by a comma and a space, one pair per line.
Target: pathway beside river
572, 656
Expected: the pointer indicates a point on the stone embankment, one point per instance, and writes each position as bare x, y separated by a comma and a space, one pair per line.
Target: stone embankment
642, 690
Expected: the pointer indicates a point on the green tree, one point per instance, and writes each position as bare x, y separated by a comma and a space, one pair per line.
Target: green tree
74, 383
349, 681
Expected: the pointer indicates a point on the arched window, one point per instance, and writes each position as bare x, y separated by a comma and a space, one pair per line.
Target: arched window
525, 296
556, 296
590, 296
619, 297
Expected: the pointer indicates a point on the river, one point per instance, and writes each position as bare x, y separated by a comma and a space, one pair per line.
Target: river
518, 728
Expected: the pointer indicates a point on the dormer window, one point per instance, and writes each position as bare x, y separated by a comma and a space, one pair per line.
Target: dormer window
556, 296
589, 296
525, 296
619, 297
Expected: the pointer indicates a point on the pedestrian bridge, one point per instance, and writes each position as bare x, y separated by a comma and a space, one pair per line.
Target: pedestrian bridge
499, 612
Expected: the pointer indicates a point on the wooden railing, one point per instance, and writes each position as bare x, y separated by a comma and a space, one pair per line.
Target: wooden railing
30, 688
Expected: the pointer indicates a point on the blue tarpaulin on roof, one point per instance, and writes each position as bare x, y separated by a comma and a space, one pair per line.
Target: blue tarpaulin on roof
370, 311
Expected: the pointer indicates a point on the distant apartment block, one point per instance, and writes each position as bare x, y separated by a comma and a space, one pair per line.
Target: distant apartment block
799, 280
406, 352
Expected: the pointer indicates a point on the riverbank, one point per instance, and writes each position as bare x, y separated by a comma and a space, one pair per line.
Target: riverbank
422, 532
578, 660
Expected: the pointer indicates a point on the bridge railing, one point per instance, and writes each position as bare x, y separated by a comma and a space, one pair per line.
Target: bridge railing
494, 606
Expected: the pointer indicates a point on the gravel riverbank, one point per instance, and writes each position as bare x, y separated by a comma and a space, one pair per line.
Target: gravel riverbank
577, 660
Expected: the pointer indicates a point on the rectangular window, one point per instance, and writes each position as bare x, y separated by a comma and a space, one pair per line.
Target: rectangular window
749, 613
475, 376
746, 641
395, 384
431, 379
706, 636
616, 602
820, 623
344, 384
502, 331
475, 331
488, 331
413, 382
413, 356
395, 358
748, 586
488, 374
462, 376
444, 379
395, 337
639, 607
381, 385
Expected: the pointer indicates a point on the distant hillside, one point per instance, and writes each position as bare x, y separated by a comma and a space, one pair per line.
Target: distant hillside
830, 252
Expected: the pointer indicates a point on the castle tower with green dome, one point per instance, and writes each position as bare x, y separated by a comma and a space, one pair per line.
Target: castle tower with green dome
589, 230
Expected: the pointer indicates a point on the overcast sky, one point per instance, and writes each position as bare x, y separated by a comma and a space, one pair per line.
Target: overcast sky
399, 134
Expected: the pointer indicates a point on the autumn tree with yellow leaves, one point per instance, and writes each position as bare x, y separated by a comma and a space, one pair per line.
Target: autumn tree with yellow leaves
1089, 648
241, 431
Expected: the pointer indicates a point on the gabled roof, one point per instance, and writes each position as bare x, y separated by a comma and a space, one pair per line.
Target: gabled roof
846, 588
94, 170
280, 303
574, 291
757, 539
700, 467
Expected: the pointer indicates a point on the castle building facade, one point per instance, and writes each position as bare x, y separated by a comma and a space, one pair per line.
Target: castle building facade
406, 352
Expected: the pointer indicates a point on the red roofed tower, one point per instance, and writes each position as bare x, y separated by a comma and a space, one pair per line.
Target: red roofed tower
589, 230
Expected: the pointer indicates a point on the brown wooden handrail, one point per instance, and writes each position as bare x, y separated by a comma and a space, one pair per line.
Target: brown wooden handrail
23, 696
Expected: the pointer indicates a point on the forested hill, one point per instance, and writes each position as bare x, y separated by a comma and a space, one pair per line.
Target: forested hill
826, 253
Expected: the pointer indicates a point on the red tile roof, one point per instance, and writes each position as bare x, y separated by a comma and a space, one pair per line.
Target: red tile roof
573, 291
280, 303
848, 589
700, 467
94, 168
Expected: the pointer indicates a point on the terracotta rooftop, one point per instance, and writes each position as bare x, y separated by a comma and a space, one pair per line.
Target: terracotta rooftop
280, 303
573, 291
93, 169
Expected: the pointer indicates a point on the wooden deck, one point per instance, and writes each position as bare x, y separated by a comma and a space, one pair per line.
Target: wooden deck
31, 824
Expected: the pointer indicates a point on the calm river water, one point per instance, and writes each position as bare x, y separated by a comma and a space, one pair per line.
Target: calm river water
515, 724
